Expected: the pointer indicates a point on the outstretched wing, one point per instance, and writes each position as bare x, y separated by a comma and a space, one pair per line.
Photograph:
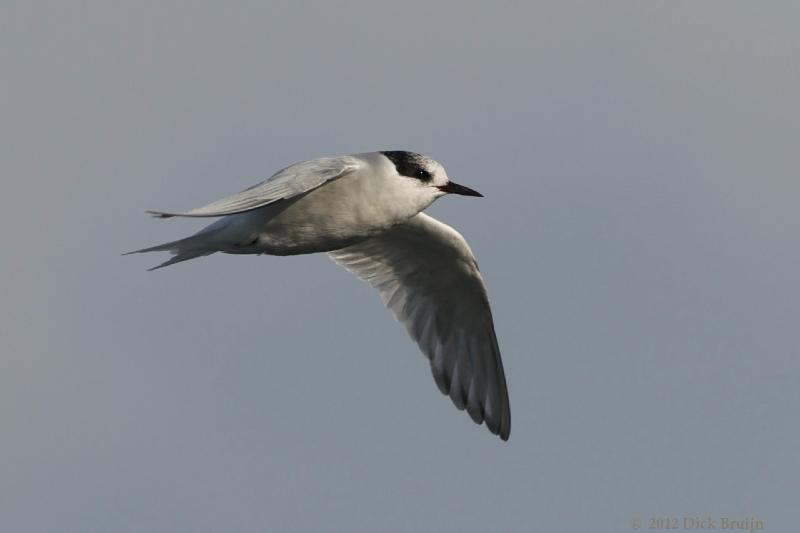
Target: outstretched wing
428, 277
291, 181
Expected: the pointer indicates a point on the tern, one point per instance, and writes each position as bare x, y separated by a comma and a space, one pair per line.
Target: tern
365, 211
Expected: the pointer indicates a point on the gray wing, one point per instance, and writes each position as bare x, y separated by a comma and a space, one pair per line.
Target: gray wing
291, 181
428, 277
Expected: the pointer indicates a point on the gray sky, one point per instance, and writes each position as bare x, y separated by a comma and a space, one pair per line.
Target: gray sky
639, 238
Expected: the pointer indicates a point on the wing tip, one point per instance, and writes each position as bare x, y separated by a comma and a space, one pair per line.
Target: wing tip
500, 425
159, 214
504, 434
503, 431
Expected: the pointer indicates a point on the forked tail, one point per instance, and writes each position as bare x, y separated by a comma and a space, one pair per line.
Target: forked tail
198, 245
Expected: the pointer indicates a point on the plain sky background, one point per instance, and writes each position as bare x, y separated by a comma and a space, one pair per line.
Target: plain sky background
639, 238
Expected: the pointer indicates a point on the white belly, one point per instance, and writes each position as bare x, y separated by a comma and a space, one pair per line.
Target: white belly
338, 214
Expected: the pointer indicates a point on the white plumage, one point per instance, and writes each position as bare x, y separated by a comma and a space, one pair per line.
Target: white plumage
365, 211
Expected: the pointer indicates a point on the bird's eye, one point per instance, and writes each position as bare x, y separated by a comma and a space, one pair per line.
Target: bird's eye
424, 174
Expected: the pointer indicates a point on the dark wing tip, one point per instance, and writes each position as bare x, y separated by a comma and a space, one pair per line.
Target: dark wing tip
505, 434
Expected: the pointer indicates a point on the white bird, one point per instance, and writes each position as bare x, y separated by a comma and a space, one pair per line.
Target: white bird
365, 211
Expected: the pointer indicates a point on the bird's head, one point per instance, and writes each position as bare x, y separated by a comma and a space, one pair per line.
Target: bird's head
424, 176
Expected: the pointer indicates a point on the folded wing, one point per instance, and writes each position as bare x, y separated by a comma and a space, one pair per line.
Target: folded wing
291, 181
428, 277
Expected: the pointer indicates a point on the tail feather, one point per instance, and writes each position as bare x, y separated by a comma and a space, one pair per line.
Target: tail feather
166, 247
197, 245
181, 256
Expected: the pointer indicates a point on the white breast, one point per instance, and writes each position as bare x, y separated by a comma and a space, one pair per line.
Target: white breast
339, 213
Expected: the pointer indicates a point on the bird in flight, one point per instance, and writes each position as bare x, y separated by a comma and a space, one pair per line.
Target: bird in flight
365, 211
